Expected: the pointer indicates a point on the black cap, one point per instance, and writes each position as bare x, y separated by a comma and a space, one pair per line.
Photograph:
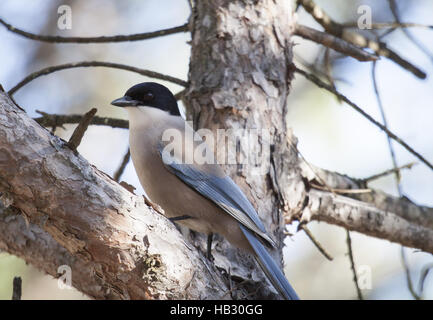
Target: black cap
149, 94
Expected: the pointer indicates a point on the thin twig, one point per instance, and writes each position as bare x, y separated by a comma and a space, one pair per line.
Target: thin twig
79, 131
48, 70
424, 273
393, 6
385, 124
328, 70
396, 171
312, 67
58, 120
122, 166
388, 25
102, 39
17, 288
327, 87
315, 242
389, 171
333, 42
344, 191
352, 264
408, 277
338, 30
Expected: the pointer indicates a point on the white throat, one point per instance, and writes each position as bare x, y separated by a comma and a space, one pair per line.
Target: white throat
146, 116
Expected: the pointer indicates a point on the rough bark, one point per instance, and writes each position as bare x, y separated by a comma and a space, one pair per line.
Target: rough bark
63, 211
240, 73
366, 218
402, 207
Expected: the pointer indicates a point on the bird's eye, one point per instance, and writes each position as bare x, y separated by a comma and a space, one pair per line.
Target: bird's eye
148, 96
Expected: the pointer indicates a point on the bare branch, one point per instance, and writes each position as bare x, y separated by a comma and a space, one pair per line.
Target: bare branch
315, 70
393, 6
389, 25
338, 30
385, 124
365, 218
102, 39
424, 273
79, 131
58, 120
408, 277
403, 207
394, 160
333, 42
48, 70
316, 243
122, 166
342, 191
328, 71
327, 87
389, 171
352, 264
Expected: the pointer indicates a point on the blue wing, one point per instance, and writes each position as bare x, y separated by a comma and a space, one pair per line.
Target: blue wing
210, 182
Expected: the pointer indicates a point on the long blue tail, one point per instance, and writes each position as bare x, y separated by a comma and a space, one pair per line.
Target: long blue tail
269, 267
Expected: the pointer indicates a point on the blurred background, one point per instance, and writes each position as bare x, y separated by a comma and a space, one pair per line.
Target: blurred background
331, 135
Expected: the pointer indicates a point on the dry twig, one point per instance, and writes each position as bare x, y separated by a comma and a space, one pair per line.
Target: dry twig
79, 131
102, 39
327, 87
122, 166
51, 69
355, 38
352, 264
333, 42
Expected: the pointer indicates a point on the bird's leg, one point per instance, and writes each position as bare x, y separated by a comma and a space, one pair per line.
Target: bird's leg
209, 246
178, 218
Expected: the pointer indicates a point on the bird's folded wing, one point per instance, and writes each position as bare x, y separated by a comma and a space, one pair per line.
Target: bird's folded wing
209, 181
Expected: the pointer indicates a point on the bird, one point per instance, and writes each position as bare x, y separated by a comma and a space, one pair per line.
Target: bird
199, 196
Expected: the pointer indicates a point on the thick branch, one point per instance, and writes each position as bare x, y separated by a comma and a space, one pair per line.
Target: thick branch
333, 42
402, 207
366, 218
115, 245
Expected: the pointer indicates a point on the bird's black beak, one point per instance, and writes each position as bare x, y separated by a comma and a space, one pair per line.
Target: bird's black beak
125, 101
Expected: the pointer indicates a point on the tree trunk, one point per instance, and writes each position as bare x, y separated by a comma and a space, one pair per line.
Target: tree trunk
60, 210
240, 75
